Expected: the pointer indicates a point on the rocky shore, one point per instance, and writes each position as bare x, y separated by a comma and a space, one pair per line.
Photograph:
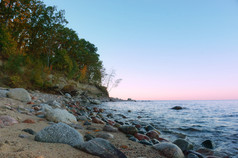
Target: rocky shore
39, 125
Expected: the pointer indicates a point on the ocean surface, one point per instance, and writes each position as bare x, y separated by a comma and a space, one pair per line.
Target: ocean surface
198, 121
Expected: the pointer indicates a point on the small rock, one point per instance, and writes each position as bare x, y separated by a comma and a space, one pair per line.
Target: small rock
96, 120
95, 101
102, 148
146, 142
19, 94
68, 95
208, 144
23, 136
133, 139
7, 120
169, 150
76, 126
155, 141
128, 129
139, 117
183, 144
177, 108
109, 128
91, 128
129, 110
60, 133
141, 136
110, 115
30, 131
149, 128
153, 135
205, 151
29, 121
105, 135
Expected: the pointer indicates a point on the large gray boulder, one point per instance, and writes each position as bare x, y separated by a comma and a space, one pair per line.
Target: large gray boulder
60, 133
19, 94
169, 150
128, 129
59, 115
102, 148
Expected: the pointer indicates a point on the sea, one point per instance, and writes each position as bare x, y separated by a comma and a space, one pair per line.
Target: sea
198, 121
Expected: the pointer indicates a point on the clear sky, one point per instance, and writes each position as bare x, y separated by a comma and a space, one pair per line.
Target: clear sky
162, 49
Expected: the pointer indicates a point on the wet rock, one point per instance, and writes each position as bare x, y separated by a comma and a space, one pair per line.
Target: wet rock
191, 155
121, 122
146, 142
110, 115
60, 133
7, 120
110, 122
139, 117
169, 150
29, 121
128, 129
95, 109
195, 153
141, 136
109, 128
19, 94
30, 131
129, 110
91, 128
102, 148
208, 144
96, 120
59, 115
101, 110
183, 144
88, 137
177, 108
153, 135
138, 126
104, 135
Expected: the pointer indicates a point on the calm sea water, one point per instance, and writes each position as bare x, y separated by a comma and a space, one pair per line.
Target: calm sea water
200, 120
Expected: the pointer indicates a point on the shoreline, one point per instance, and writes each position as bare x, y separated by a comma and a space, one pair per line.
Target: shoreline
94, 114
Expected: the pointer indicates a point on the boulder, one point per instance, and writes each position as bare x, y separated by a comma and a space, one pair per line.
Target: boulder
169, 150
128, 129
141, 136
153, 135
19, 94
60, 133
59, 115
102, 148
183, 144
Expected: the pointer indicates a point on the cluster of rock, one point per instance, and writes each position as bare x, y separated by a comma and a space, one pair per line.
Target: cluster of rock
65, 118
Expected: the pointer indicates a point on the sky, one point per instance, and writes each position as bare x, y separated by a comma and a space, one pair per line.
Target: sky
162, 49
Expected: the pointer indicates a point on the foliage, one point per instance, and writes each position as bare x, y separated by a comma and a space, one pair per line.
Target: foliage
35, 42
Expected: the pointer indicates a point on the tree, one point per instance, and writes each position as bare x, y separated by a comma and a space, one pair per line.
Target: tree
109, 80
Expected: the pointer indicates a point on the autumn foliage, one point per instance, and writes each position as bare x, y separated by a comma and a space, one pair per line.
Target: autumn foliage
35, 42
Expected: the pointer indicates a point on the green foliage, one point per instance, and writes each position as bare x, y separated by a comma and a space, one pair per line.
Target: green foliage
34, 43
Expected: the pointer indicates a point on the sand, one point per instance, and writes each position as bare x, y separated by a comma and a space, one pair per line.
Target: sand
12, 146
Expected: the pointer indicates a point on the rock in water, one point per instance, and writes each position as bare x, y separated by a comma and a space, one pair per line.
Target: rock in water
169, 150
102, 148
19, 94
183, 144
59, 115
177, 108
60, 133
208, 144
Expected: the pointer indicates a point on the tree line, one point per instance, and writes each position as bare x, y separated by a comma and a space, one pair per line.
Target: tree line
35, 42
